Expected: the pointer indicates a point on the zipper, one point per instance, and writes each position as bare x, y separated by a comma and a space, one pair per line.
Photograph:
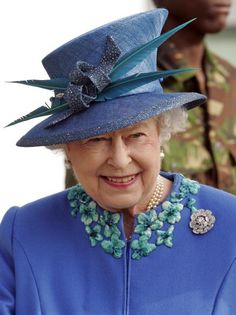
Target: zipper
127, 278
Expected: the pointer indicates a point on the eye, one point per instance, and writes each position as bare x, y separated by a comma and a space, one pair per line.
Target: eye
137, 135
98, 139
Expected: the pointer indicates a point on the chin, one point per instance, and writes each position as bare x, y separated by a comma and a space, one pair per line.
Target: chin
216, 29
216, 26
211, 26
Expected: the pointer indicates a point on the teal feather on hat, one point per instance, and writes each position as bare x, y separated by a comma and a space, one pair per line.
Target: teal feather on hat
118, 86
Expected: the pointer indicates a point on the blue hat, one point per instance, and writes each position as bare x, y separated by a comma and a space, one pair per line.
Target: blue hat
105, 80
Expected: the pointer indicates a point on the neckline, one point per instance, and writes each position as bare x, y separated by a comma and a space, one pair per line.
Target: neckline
152, 228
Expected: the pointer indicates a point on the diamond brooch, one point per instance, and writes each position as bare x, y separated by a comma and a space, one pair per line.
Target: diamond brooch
202, 221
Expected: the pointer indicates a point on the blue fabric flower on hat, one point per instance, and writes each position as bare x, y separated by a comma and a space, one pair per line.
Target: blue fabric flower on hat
86, 80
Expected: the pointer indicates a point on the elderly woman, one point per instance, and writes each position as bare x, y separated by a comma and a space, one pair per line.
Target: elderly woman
128, 239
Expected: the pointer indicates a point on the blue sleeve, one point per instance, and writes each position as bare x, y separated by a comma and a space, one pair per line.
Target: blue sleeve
226, 298
7, 277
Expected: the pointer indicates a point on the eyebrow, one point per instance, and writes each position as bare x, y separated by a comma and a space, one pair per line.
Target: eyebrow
129, 129
142, 124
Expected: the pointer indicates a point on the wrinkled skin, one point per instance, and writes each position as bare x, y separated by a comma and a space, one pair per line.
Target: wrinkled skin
131, 154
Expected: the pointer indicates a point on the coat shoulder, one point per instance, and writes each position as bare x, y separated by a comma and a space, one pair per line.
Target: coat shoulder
35, 215
44, 206
219, 199
223, 206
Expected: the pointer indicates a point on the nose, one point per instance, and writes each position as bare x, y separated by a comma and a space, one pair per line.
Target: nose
119, 156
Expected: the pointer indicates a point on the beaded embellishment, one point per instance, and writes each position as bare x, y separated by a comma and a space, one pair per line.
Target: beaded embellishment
153, 229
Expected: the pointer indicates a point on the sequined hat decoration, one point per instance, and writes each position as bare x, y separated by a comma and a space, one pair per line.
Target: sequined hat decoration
105, 80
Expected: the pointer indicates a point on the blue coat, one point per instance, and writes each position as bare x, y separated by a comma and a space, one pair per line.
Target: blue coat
56, 258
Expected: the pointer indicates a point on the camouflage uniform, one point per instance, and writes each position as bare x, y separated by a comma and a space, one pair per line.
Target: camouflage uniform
207, 150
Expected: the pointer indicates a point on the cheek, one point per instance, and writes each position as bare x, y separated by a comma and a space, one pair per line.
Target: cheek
149, 155
85, 162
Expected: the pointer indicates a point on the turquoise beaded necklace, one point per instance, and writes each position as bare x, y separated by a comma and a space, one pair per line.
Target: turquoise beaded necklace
152, 230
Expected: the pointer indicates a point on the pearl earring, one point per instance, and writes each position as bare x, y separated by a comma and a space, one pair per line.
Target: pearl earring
67, 164
162, 154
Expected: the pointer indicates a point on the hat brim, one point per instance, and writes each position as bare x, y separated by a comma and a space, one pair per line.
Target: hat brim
105, 117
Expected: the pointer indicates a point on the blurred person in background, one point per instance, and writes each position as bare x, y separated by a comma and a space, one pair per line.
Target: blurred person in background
207, 151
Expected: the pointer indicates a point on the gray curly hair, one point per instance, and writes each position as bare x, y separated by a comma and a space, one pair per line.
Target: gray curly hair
171, 122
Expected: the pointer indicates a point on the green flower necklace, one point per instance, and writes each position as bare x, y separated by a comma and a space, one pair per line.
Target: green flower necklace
152, 229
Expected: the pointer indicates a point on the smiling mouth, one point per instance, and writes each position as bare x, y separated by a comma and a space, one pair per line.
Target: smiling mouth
120, 181
125, 179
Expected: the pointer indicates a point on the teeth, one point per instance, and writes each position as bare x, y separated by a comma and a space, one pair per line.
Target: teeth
121, 179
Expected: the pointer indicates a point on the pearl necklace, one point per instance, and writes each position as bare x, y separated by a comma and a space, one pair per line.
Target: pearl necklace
157, 195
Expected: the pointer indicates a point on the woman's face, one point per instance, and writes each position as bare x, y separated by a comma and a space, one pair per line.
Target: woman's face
119, 170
